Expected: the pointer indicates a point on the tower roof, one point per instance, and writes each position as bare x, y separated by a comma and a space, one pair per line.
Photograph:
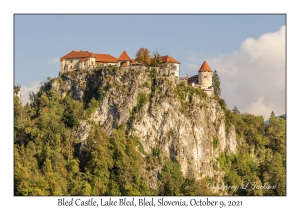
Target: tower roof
204, 67
124, 56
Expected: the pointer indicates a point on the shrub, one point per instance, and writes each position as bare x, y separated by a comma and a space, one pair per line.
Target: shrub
153, 73
147, 84
215, 142
101, 94
141, 100
156, 151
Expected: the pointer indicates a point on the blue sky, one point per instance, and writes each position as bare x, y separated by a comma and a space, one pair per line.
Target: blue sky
40, 40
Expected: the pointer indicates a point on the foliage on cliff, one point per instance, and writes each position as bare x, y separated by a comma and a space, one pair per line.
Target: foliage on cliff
259, 167
50, 160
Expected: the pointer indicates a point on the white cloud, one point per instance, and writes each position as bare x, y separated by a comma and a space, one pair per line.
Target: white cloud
54, 61
253, 78
34, 87
259, 108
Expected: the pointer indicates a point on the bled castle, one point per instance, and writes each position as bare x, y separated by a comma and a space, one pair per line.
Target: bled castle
87, 60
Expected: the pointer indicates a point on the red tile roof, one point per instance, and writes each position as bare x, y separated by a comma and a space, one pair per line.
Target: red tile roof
135, 63
105, 58
204, 67
124, 56
77, 54
168, 59
84, 59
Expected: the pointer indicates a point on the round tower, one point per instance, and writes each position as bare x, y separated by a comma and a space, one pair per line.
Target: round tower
205, 76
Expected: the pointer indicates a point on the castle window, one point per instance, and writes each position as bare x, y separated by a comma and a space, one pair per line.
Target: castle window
205, 76
71, 61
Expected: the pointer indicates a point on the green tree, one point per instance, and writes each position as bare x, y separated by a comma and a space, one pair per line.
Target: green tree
98, 160
216, 83
235, 110
276, 133
171, 179
274, 174
193, 187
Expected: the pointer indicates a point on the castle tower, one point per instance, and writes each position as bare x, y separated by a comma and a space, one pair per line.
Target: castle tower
205, 76
124, 59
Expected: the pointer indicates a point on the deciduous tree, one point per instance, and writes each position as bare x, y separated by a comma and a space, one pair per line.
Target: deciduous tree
156, 59
143, 56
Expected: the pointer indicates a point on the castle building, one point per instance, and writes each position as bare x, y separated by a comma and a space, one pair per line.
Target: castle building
174, 65
124, 60
105, 60
76, 60
87, 60
203, 80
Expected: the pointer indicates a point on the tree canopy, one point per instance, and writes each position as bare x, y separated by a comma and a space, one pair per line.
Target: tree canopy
143, 56
156, 59
216, 83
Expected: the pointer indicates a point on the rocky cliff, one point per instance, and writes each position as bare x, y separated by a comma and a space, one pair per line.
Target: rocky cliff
178, 121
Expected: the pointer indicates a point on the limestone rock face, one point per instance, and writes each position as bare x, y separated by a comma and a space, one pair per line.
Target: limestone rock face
232, 143
74, 84
82, 132
184, 127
